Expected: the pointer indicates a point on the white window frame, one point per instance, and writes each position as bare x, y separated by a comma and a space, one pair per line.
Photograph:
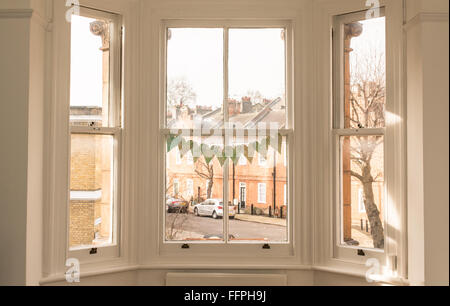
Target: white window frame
393, 260
262, 161
341, 250
262, 187
113, 129
176, 190
57, 160
168, 247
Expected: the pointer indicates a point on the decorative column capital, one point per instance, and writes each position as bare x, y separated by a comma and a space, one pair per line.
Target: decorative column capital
101, 28
351, 30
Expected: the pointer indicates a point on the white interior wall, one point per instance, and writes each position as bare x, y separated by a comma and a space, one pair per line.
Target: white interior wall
21, 129
22, 132
14, 72
428, 153
36, 107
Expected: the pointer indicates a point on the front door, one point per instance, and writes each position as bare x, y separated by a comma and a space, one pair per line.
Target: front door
243, 195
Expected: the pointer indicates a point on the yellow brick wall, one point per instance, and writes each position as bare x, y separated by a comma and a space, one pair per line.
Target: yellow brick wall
90, 171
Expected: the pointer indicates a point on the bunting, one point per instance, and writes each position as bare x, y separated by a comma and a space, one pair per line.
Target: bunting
234, 153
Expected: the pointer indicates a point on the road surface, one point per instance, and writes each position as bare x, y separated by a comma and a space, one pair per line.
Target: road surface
200, 226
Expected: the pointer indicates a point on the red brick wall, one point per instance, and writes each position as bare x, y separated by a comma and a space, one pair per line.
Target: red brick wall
250, 174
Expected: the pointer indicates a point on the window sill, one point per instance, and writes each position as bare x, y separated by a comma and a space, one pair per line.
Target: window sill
91, 271
119, 268
124, 267
381, 279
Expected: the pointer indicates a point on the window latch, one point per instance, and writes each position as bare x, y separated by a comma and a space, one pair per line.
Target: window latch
93, 251
266, 247
185, 246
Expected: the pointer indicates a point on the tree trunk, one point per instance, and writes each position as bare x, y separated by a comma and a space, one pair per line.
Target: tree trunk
373, 215
209, 192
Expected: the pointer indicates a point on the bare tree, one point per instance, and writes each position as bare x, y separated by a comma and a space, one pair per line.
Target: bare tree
367, 110
205, 171
175, 224
180, 93
175, 221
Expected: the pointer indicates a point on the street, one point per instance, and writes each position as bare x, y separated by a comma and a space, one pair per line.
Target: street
188, 227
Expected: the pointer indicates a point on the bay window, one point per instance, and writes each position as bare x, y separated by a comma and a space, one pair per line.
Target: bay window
232, 146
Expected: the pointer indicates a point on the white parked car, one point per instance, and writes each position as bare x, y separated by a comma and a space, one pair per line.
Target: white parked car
213, 208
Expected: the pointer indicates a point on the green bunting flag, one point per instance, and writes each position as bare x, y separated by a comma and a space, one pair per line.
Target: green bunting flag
185, 146
276, 143
248, 155
222, 153
172, 142
221, 160
208, 153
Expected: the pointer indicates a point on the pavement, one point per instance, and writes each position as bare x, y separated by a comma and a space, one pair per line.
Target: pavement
365, 239
261, 219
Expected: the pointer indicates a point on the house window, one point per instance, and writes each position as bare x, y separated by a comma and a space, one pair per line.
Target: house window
177, 157
176, 187
217, 82
361, 207
262, 193
360, 103
190, 187
262, 161
96, 127
242, 161
190, 158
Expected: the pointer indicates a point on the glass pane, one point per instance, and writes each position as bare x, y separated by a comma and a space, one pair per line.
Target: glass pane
91, 190
363, 191
365, 74
194, 78
89, 72
258, 198
194, 191
257, 76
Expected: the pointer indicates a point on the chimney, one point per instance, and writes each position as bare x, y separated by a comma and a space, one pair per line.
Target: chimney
233, 107
246, 105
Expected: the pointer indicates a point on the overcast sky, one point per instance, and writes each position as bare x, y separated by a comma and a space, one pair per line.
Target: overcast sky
372, 39
86, 64
256, 61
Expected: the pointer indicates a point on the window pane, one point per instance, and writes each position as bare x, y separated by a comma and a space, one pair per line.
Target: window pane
91, 190
194, 191
89, 75
363, 191
257, 76
259, 207
365, 74
194, 77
